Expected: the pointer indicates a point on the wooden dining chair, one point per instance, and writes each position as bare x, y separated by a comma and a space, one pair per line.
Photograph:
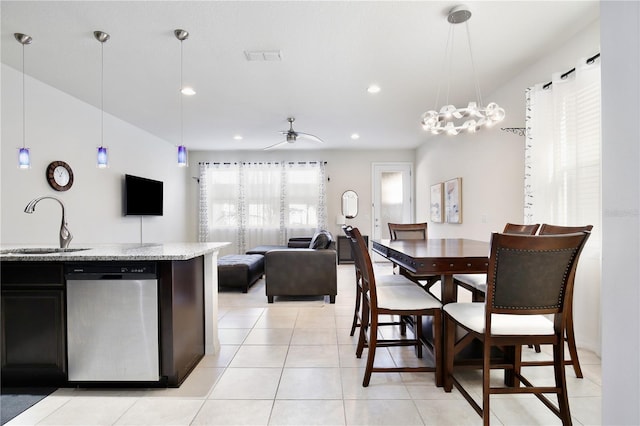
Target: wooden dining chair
570, 337
477, 283
403, 300
382, 281
412, 231
529, 278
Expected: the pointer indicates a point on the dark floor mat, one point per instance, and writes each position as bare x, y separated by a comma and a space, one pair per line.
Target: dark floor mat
14, 401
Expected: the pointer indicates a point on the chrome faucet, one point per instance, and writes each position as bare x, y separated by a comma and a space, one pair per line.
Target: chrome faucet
65, 234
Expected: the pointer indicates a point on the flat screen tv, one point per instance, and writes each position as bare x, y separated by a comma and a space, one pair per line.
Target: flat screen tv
143, 197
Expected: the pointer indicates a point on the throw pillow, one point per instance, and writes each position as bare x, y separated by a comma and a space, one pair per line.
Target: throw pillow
320, 240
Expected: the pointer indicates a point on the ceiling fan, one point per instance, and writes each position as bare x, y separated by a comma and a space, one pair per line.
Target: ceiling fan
292, 136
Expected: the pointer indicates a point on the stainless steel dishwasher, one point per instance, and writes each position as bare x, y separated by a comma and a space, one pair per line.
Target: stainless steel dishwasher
112, 322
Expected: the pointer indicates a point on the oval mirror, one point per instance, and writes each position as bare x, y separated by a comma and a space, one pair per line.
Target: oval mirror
349, 204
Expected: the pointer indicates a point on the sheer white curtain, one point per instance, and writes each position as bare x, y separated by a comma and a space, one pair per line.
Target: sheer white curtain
251, 204
562, 177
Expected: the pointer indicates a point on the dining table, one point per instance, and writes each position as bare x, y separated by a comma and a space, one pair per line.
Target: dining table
437, 256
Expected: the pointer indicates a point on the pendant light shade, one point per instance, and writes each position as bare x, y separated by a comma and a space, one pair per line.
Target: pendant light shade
102, 155
24, 158
182, 156
182, 35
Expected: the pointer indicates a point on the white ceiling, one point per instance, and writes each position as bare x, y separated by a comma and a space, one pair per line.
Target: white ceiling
331, 51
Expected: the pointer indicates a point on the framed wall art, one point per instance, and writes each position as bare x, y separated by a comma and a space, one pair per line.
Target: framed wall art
436, 203
453, 200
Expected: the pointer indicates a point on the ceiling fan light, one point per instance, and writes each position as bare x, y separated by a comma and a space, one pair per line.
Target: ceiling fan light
373, 89
188, 91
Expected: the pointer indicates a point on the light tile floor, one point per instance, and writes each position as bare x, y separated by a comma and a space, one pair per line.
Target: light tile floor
293, 363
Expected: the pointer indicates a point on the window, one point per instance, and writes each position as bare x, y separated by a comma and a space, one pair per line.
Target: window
252, 204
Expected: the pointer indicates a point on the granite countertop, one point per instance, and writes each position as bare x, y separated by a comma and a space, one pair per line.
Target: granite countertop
101, 252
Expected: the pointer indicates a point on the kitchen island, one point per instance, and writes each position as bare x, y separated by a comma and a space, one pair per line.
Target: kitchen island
44, 304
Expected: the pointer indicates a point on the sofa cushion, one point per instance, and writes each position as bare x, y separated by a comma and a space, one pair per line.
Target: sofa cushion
321, 240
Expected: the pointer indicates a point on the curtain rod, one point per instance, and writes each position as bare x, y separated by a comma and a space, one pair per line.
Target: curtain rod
262, 162
566, 74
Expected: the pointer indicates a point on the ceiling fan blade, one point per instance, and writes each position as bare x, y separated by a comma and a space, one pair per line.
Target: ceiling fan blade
274, 145
310, 137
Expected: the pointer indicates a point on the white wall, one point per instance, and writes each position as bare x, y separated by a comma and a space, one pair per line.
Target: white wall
621, 200
60, 127
346, 169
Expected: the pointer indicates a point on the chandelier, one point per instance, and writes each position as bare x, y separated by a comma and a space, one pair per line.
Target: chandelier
450, 119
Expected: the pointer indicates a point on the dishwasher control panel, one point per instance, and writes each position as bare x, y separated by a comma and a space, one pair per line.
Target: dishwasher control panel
110, 269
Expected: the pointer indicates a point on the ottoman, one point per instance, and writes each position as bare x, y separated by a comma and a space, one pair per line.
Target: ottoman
240, 270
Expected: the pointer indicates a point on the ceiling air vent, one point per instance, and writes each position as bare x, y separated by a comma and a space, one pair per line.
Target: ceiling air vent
263, 55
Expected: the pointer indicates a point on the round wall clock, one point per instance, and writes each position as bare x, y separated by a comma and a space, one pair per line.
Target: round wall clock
59, 175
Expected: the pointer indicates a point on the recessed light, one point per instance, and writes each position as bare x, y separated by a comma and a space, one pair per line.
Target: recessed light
188, 91
237, 137
355, 136
374, 88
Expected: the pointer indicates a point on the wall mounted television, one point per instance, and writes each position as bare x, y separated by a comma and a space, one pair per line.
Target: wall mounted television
142, 196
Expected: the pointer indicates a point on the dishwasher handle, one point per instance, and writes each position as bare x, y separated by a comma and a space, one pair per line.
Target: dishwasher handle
101, 277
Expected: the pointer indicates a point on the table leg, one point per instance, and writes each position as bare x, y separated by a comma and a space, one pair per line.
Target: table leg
447, 289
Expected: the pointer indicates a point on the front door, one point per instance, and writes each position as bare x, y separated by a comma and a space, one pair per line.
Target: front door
392, 196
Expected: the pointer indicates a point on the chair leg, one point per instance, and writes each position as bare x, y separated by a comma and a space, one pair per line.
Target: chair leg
372, 343
364, 326
417, 331
571, 343
486, 382
561, 382
449, 348
513, 356
356, 311
437, 346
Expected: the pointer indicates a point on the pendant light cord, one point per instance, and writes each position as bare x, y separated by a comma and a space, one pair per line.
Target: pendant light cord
101, 94
181, 99
473, 68
24, 102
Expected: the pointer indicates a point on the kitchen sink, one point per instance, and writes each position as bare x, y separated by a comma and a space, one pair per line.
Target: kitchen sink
39, 250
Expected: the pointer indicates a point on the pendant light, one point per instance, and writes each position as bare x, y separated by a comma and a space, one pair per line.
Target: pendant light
182, 35
24, 158
452, 120
103, 157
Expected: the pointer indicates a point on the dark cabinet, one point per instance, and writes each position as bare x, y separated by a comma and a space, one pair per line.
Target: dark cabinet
181, 294
34, 321
33, 324
344, 249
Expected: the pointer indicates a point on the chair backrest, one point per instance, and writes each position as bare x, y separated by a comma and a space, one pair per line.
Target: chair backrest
532, 274
513, 228
348, 231
363, 263
547, 229
408, 231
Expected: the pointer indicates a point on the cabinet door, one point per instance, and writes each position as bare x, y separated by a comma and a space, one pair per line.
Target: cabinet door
33, 340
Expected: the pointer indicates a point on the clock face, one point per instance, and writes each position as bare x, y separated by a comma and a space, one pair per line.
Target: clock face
59, 175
